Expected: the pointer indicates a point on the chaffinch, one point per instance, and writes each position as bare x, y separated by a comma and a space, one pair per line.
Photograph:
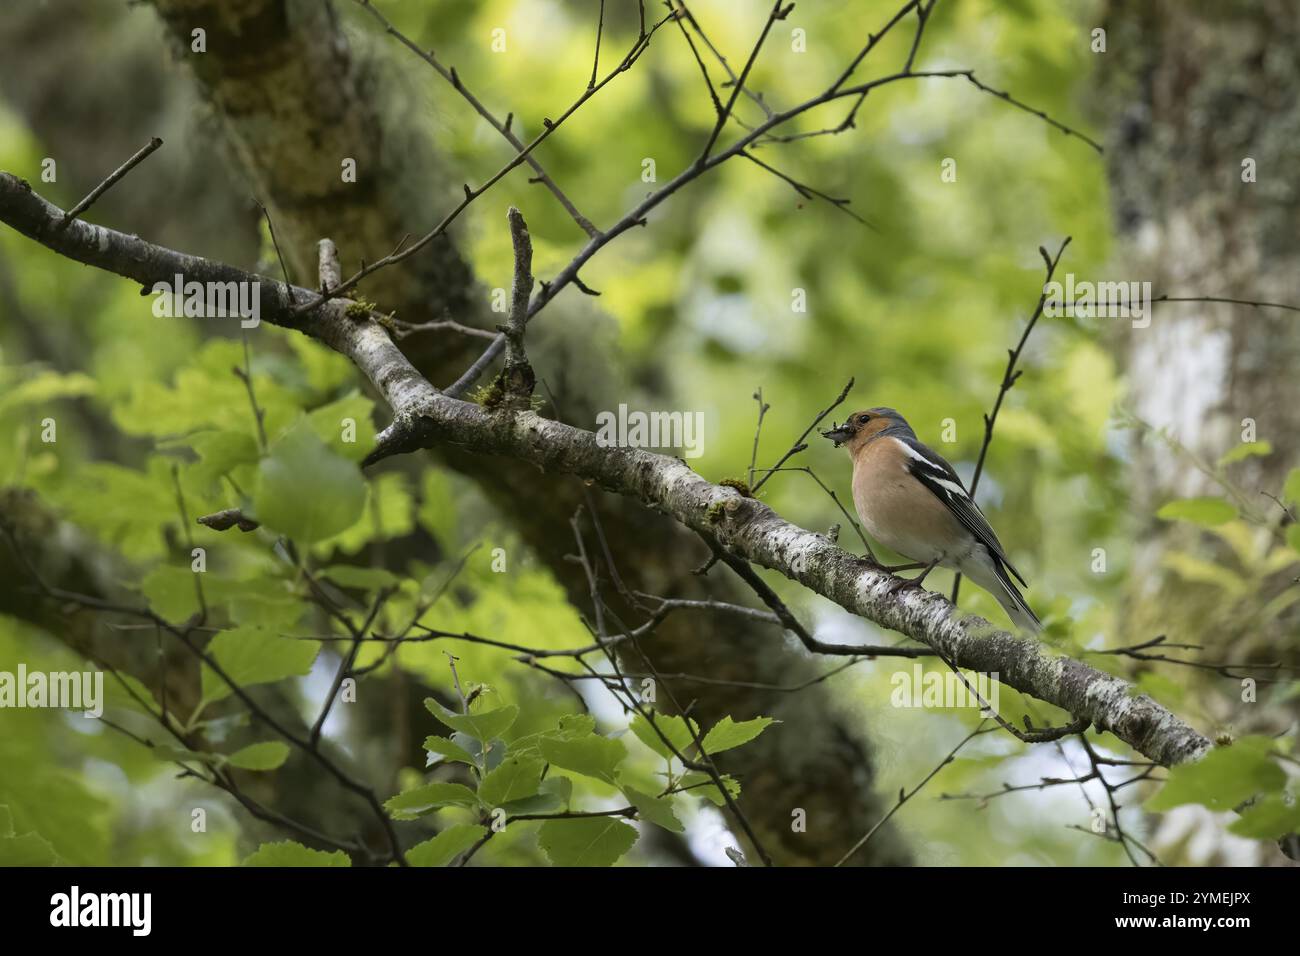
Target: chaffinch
911, 501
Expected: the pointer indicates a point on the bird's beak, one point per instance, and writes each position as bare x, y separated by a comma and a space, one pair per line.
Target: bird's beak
839, 434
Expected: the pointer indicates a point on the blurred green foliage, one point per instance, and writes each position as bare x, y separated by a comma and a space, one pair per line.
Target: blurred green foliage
919, 308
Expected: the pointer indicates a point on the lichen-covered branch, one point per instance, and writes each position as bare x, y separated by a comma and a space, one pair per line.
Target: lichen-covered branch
423, 417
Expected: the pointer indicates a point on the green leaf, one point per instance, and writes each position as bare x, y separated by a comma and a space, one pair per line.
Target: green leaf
250, 656
446, 846
701, 785
1293, 536
561, 786
576, 725
46, 387
221, 452
264, 756
117, 695
1246, 449
288, 853
429, 797
1223, 778
592, 755
516, 778
1203, 511
537, 803
328, 424
1268, 819
674, 728
306, 491
727, 734
171, 592
442, 748
482, 726
657, 810
590, 841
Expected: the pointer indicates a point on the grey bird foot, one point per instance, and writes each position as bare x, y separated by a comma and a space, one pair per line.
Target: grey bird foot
906, 584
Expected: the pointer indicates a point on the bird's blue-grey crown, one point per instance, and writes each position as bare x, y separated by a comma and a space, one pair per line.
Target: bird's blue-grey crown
896, 425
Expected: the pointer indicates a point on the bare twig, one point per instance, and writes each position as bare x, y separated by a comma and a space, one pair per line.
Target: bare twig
108, 183
905, 795
1009, 378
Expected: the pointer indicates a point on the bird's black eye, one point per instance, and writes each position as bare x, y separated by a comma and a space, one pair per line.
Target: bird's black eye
863, 419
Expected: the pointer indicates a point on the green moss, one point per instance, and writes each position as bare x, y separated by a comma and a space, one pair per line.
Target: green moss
360, 309
739, 484
491, 395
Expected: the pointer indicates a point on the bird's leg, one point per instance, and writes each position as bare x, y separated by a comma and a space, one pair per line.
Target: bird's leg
903, 584
892, 568
873, 562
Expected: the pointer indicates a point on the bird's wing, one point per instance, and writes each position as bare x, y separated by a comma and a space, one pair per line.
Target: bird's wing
930, 469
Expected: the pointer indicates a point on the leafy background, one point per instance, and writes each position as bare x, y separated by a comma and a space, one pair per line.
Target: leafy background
919, 308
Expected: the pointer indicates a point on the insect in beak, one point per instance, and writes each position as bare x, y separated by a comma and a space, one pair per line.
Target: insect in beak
839, 435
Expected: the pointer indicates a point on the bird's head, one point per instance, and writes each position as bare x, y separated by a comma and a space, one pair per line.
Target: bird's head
860, 427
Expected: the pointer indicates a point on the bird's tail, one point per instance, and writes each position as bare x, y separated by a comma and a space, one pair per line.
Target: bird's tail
1013, 602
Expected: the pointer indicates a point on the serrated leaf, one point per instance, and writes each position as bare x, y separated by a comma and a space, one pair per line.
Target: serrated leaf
592, 755
288, 853
727, 734
1206, 512
306, 491
590, 841
429, 797
264, 756
220, 452
446, 846
517, 778
561, 786
442, 748
656, 810
576, 725
482, 726
537, 803
701, 785
674, 728
1223, 778
249, 656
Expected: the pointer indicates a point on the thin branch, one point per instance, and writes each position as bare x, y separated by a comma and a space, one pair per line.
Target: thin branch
108, 183
905, 795
778, 13
503, 128
799, 443
518, 378
758, 431
1009, 378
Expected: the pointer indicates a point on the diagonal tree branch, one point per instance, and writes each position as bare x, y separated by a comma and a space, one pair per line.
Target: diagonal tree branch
423, 417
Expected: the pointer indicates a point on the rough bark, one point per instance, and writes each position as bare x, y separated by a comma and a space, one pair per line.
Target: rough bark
1190, 92
424, 417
